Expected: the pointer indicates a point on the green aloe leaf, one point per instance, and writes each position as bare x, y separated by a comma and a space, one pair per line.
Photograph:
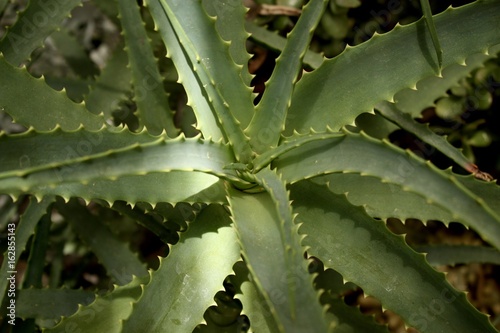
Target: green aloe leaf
225, 317
383, 200
7, 211
160, 155
34, 24
206, 122
189, 277
75, 88
255, 306
23, 231
265, 225
426, 9
348, 319
38, 251
106, 313
58, 109
274, 41
270, 114
488, 191
152, 103
120, 262
350, 153
269, 155
208, 56
165, 234
423, 132
111, 87
443, 254
154, 187
230, 24
74, 53
339, 234
32, 151
428, 90
50, 303
379, 62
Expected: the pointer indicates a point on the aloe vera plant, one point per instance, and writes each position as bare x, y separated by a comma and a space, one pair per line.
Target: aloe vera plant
285, 201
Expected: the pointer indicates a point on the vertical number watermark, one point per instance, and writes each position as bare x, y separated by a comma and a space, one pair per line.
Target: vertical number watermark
11, 264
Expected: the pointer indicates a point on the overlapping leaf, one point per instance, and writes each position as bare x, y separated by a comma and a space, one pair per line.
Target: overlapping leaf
186, 281
24, 230
34, 24
265, 225
45, 109
50, 303
152, 103
385, 267
158, 155
349, 154
120, 262
362, 70
207, 57
111, 86
106, 313
270, 114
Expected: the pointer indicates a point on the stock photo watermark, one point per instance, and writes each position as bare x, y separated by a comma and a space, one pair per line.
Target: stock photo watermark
11, 266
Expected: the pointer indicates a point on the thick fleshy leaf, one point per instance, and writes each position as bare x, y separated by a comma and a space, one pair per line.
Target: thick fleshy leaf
358, 153
106, 313
38, 251
156, 226
413, 101
208, 57
155, 187
339, 234
459, 254
424, 133
383, 62
187, 280
34, 24
206, 122
21, 233
348, 319
264, 225
159, 155
274, 41
426, 9
111, 86
153, 110
31, 151
58, 109
383, 200
269, 155
50, 303
230, 24
488, 191
269, 119
255, 306
120, 262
